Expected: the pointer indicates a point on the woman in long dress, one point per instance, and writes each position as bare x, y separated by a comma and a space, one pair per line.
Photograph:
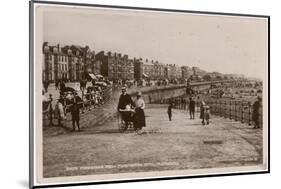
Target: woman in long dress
202, 113
140, 116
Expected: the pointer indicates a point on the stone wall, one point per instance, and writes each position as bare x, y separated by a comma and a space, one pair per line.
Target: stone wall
155, 93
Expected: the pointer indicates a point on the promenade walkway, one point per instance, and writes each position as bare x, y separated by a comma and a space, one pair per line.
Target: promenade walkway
164, 145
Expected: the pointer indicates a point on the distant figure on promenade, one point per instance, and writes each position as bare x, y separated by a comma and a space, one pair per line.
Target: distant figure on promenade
202, 115
183, 103
125, 100
191, 107
75, 111
59, 111
46, 85
150, 99
83, 84
50, 109
207, 114
170, 107
57, 84
140, 116
255, 115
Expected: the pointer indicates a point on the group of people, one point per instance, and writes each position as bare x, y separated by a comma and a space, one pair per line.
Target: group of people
93, 97
59, 110
132, 111
191, 105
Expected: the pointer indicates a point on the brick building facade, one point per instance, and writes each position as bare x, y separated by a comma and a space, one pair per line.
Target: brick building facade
74, 63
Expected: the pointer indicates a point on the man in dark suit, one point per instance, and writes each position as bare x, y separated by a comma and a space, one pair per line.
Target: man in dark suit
191, 107
124, 100
255, 115
75, 111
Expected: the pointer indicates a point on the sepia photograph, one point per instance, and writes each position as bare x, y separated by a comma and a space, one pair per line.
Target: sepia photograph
124, 94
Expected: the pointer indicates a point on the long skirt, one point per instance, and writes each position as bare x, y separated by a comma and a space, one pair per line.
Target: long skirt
140, 118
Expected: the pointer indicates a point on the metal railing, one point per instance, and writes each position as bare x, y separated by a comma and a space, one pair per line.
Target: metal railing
237, 110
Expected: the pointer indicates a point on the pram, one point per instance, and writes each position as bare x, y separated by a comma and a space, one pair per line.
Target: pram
126, 116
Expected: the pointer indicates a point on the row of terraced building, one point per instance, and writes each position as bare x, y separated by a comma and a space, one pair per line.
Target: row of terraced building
74, 63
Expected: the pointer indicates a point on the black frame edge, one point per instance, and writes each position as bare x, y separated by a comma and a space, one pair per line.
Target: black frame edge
31, 98
268, 117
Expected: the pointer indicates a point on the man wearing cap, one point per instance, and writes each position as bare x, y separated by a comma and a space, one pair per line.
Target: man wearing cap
124, 100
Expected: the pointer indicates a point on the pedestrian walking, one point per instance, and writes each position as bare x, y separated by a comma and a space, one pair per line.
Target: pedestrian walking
255, 115
57, 84
170, 107
202, 116
140, 115
207, 114
51, 111
125, 100
191, 107
75, 112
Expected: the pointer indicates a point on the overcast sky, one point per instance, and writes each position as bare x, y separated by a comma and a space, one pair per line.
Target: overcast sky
214, 43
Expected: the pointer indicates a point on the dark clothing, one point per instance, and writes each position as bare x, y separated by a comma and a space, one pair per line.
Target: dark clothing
51, 111
83, 84
77, 123
75, 112
192, 105
57, 85
124, 100
191, 108
46, 85
170, 112
255, 115
140, 118
62, 88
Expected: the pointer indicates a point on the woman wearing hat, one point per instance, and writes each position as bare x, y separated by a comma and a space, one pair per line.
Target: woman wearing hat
140, 117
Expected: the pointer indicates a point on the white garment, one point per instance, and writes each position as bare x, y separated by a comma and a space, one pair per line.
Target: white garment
140, 103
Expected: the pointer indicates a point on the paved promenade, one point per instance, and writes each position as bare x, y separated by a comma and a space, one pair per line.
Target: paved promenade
164, 145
